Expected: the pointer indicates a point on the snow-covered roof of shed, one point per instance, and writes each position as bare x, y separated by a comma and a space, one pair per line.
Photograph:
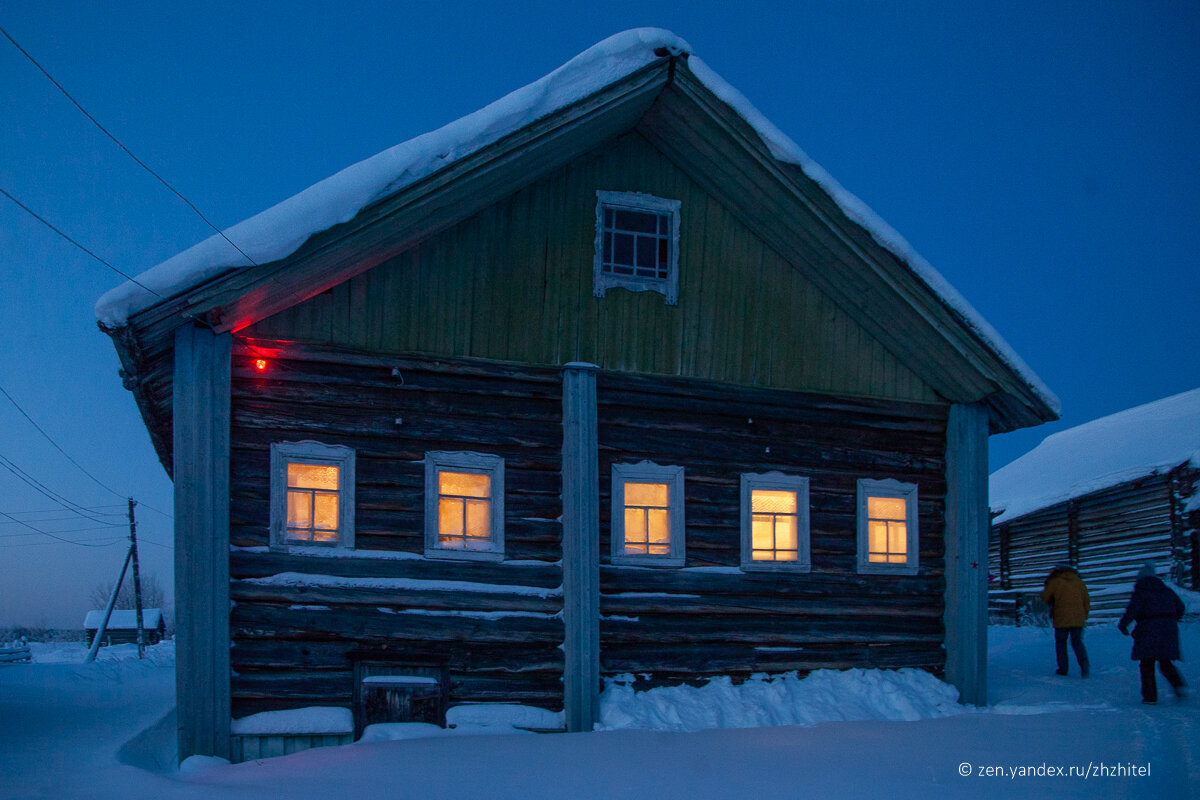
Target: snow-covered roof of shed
123, 619
1130, 444
280, 230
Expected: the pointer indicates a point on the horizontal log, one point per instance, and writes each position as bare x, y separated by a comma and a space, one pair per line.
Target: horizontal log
449, 599
283, 654
849, 607
812, 585
243, 564
359, 622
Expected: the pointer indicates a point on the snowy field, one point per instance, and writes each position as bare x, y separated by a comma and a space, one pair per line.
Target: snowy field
71, 730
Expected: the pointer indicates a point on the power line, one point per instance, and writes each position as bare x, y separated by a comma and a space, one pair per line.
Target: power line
52, 536
47, 492
128, 152
67, 455
43, 220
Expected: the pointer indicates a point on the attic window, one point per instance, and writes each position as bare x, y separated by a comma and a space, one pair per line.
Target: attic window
637, 244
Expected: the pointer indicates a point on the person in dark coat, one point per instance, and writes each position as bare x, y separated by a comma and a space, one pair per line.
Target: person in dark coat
1069, 603
1157, 611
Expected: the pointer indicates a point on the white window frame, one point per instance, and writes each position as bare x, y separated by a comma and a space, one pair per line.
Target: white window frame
310, 452
637, 201
485, 463
776, 481
888, 488
648, 472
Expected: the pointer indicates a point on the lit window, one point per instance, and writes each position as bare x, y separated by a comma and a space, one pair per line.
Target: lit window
464, 506
887, 527
647, 514
637, 244
775, 522
312, 494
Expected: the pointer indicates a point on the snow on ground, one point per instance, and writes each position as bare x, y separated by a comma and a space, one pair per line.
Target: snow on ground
65, 726
1096, 455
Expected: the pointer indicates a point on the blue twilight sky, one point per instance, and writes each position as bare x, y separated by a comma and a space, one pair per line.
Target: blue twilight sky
1044, 157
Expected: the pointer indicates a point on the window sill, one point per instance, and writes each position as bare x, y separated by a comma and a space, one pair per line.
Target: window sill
776, 566
444, 554
647, 561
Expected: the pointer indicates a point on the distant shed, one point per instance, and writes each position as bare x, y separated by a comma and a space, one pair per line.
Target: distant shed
1106, 496
122, 626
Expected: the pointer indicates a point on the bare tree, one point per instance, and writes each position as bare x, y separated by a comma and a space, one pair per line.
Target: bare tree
153, 595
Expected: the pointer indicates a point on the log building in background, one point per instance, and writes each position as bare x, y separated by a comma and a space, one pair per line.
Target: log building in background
1105, 496
618, 387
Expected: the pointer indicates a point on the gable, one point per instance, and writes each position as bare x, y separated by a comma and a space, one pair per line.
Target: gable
514, 283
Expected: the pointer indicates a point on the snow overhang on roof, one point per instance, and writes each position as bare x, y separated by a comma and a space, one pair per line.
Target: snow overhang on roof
1145, 440
282, 231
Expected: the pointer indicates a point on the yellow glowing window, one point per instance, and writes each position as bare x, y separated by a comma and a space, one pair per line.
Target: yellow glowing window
774, 525
887, 530
647, 519
464, 510
313, 498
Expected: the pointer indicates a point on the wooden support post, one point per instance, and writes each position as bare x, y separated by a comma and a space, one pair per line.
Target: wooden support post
137, 580
581, 548
201, 474
1073, 533
1179, 565
966, 551
1005, 558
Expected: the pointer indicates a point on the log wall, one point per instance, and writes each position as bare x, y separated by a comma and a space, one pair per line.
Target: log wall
301, 620
1108, 535
710, 618
296, 639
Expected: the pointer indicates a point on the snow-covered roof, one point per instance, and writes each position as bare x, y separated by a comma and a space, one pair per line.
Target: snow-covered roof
1130, 444
280, 230
123, 619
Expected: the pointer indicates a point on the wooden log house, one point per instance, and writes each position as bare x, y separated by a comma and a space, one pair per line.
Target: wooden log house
1105, 496
618, 387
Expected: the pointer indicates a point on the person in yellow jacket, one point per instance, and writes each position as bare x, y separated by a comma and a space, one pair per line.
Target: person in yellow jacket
1069, 603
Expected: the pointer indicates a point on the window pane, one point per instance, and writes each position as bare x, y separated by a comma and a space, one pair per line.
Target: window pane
787, 555
646, 494
637, 221
464, 484
877, 537
775, 502
329, 537
761, 534
299, 509
763, 555
887, 508
657, 528
897, 536
647, 253
635, 526
785, 532
325, 511
622, 248
312, 476
450, 517
479, 519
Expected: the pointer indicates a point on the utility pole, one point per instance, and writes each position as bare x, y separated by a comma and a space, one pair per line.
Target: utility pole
112, 601
137, 580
